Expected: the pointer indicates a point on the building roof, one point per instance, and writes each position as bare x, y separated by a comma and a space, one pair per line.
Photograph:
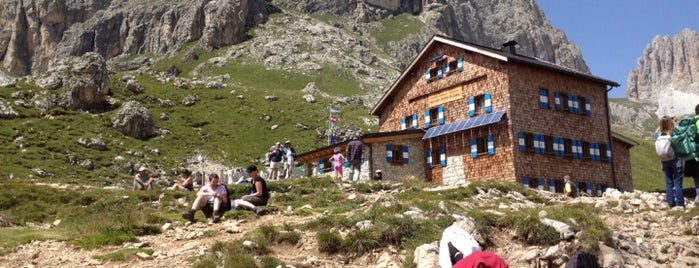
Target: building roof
489, 52
366, 138
624, 139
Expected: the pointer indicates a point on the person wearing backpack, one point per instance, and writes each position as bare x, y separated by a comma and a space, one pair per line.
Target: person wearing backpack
670, 163
695, 170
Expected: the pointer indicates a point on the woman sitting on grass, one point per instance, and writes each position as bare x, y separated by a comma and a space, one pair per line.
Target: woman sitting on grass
259, 195
187, 184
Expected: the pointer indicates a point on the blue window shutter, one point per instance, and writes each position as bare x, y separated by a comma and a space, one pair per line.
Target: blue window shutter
488, 103
589, 188
609, 153
540, 183
571, 107
402, 123
525, 182
429, 159
443, 157
427, 118
543, 98
596, 149
440, 114
557, 100
561, 147
414, 121
542, 144
321, 165
578, 147
474, 148
427, 76
537, 144
361, 160
588, 107
405, 154
552, 185
522, 142
471, 107
574, 145
556, 150
491, 145
575, 104
439, 71
459, 64
599, 189
446, 69
389, 153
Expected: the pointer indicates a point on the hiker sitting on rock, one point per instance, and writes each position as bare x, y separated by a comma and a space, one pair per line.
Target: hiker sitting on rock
259, 194
210, 197
187, 184
142, 181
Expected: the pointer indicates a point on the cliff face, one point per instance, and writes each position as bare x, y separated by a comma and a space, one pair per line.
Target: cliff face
35, 34
667, 64
485, 22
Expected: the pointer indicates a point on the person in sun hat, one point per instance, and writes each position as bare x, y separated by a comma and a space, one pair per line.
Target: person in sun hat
275, 161
378, 175
259, 195
142, 181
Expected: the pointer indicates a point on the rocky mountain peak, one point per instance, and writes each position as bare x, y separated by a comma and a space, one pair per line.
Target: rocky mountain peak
668, 72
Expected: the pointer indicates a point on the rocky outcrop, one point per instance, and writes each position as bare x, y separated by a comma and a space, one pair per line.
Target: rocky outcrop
35, 35
484, 22
667, 74
86, 83
134, 120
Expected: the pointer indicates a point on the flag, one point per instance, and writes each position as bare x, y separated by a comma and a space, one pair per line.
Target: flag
334, 111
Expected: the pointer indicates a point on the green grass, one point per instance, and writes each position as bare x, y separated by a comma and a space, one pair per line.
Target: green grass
123, 254
397, 28
586, 218
12, 237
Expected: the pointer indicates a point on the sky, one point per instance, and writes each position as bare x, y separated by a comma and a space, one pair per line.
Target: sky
612, 34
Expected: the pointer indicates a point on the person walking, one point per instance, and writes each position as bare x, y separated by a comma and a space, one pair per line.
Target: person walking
671, 164
289, 159
337, 160
355, 149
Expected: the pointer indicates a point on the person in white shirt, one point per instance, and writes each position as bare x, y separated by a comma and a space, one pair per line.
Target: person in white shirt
210, 197
289, 158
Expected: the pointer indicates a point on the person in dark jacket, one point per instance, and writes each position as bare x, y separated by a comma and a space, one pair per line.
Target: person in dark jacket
355, 149
259, 194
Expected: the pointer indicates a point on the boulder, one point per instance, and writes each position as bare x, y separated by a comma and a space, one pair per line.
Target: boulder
215, 85
610, 257
164, 117
134, 120
87, 85
93, 143
271, 98
189, 100
133, 86
86, 164
426, 256
563, 229
309, 98
42, 173
166, 103
6, 80
386, 261
414, 213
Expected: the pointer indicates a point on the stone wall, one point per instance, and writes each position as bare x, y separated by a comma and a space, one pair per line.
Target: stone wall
525, 83
394, 172
622, 165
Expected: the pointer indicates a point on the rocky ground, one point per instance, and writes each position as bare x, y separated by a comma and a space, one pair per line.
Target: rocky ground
646, 233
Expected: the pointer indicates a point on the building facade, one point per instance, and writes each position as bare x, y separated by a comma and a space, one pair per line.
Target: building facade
491, 114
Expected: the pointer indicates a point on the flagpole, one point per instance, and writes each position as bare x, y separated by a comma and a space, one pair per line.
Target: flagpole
330, 124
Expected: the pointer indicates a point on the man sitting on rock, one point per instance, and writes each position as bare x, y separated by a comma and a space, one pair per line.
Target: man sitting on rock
212, 197
259, 194
142, 181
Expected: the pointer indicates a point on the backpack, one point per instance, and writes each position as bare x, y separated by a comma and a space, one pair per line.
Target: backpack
664, 148
583, 260
455, 244
683, 138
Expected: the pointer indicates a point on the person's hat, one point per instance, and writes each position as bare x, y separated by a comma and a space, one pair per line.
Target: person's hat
378, 171
287, 142
251, 168
142, 168
277, 143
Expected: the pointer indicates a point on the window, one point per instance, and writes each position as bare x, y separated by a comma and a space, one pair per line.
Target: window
434, 116
568, 147
548, 141
435, 158
581, 106
586, 150
397, 154
480, 104
529, 142
564, 102
603, 152
409, 121
452, 66
481, 145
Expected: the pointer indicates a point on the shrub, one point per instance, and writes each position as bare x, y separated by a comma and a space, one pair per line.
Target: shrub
290, 237
269, 262
530, 230
269, 233
395, 230
361, 242
329, 241
586, 218
122, 254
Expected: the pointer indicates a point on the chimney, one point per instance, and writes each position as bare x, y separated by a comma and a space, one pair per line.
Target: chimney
511, 46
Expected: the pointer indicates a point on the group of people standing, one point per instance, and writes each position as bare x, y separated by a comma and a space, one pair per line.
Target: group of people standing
353, 157
279, 157
672, 166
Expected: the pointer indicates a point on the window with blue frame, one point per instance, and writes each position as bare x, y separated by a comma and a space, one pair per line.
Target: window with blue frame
481, 145
397, 154
480, 104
